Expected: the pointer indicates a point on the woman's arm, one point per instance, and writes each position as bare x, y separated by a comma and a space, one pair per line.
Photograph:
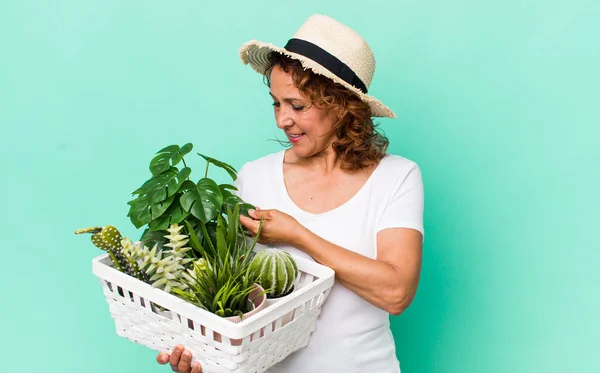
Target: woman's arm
389, 282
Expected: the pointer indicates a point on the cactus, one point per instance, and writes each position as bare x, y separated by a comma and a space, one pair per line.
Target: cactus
275, 270
109, 239
161, 269
134, 253
89, 230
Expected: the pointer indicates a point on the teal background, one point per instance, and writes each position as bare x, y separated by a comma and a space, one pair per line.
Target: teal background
497, 102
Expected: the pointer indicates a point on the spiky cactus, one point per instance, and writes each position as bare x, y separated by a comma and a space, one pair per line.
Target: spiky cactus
135, 253
109, 238
275, 270
161, 268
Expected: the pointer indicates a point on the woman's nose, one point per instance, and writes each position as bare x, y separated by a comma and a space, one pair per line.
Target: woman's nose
283, 118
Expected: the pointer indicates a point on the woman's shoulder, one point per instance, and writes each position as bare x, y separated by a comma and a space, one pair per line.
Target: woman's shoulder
396, 172
397, 165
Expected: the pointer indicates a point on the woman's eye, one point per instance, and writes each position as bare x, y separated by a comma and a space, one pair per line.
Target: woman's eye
295, 107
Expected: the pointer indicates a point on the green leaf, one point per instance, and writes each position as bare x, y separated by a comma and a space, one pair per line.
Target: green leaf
159, 208
178, 156
194, 241
221, 237
255, 240
162, 161
208, 240
234, 222
230, 169
186, 149
230, 200
150, 238
144, 188
139, 212
168, 157
167, 184
225, 187
244, 207
203, 200
175, 214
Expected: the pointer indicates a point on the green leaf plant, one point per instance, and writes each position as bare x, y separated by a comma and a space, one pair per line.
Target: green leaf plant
192, 244
170, 196
222, 283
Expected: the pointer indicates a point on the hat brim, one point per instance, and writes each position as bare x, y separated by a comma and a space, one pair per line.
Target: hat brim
256, 54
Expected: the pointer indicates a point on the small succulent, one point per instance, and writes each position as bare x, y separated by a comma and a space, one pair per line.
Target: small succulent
177, 242
164, 270
197, 265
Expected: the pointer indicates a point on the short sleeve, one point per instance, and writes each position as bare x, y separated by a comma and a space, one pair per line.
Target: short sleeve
404, 208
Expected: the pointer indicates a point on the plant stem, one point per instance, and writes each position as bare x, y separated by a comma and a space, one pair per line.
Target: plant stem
114, 260
206, 173
183, 160
136, 269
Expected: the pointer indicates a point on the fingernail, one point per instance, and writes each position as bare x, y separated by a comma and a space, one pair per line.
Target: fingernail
251, 211
187, 354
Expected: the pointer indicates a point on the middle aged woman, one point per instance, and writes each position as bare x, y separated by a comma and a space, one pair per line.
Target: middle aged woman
334, 196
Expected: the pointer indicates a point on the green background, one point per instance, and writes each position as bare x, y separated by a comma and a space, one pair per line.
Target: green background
497, 102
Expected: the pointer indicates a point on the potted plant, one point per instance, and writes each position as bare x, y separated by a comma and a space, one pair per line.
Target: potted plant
192, 245
276, 271
223, 283
194, 248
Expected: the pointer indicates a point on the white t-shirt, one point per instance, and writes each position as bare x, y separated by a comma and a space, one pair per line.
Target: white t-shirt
351, 335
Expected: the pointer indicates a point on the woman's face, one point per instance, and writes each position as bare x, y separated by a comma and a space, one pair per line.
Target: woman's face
308, 128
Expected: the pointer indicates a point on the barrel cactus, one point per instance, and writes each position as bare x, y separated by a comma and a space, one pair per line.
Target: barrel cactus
275, 270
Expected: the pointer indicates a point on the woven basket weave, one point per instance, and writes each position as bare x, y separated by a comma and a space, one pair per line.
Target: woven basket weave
160, 320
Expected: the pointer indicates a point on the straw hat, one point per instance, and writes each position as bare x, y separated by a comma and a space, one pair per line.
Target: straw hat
328, 48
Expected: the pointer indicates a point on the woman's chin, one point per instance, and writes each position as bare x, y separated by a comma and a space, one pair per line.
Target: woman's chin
300, 151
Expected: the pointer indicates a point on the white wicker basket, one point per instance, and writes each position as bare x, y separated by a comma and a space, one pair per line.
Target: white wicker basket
160, 320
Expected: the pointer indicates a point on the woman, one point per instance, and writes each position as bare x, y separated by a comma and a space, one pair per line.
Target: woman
334, 196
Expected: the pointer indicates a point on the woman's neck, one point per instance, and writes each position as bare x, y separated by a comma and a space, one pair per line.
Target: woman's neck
324, 162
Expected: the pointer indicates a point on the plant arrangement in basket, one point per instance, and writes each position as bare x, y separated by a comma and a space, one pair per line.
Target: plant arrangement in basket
193, 245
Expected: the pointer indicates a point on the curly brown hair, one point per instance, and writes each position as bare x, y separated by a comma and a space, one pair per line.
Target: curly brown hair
359, 144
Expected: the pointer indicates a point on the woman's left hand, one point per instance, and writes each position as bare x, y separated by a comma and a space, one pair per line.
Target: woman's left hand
277, 227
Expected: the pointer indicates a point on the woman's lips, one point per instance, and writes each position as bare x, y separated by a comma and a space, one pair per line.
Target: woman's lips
295, 137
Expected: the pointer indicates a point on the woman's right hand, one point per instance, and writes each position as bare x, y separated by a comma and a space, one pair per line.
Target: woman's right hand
180, 360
